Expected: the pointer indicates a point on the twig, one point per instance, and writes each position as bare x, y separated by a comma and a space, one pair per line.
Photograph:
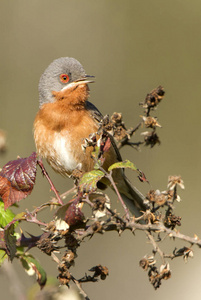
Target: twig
155, 245
82, 292
109, 176
132, 225
63, 196
130, 132
40, 163
32, 219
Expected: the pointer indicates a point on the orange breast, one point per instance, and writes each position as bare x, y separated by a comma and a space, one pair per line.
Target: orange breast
60, 129
59, 136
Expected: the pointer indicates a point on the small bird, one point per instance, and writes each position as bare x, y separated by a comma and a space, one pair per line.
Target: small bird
66, 118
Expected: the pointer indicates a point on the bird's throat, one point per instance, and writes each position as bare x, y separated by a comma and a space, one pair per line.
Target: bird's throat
74, 98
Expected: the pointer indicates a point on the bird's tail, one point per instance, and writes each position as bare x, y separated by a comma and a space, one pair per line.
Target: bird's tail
133, 198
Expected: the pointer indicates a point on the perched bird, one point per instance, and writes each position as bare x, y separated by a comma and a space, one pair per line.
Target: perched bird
66, 118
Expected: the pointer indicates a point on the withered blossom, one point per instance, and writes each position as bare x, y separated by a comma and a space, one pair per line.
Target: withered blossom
101, 271
100, 204
68, 258
165, 272
160, 198
185, 252
188, 253
175, 180
171, 221
150, 122
48, 243
153, 98
64, 276
150, 138
146, 262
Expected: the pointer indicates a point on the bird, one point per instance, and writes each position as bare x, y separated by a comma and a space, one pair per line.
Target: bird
66, 119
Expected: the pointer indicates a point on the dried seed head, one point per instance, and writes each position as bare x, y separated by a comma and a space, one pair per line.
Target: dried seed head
101, 271
150, 122
171, 221
150, 138
175, 180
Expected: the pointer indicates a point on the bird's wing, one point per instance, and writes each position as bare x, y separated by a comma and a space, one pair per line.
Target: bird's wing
96, 114
133, 198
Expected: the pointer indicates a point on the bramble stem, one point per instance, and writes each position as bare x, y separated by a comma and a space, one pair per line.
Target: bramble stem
40, 163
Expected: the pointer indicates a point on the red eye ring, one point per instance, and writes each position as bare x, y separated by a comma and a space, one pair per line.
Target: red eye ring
64, 78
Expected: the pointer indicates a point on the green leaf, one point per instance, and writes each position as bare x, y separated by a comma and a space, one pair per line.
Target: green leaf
123, 164
31, 266
10, 240
5, 216
89, 180
21, 216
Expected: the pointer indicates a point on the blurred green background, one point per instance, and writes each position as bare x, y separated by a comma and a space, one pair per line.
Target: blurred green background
131, 47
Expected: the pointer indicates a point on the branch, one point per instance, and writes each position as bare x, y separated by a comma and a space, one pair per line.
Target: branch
40, 163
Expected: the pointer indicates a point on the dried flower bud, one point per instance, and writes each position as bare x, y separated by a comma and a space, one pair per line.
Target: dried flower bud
101, 271
57, 227
187, 253
150, 122
89, 142
116, 118
175, 180
165, 271
150, 138
47, 243
154, 97
160, 198
144, 264
151, 196
147, 262
71, 242
101, 203
171, 221
155, 277
119, 130
170, 195
64, 275
68, 258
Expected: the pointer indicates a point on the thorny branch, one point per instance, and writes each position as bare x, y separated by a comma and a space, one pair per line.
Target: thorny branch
40, 163
69, 227
116, 127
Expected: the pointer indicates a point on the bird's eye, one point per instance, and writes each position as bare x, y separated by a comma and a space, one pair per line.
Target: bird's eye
64, 78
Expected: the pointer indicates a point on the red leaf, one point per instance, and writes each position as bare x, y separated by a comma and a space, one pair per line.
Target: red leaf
74, 217
17, 179
71, 213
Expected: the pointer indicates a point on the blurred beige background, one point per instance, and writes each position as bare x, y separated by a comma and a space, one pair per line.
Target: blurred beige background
131, 47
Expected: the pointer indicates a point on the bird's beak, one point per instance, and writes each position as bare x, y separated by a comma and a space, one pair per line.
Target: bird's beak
85, 80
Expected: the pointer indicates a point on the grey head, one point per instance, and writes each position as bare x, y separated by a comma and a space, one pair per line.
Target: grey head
60, 73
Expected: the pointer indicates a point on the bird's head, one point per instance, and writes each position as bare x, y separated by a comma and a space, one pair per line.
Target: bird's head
62, 75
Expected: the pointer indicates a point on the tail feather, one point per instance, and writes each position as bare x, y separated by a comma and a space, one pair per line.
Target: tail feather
133, 198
